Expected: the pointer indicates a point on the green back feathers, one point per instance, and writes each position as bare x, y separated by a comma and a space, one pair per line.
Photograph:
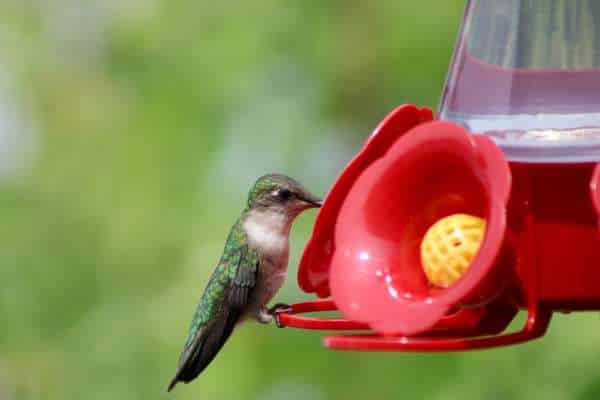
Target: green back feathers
235, 256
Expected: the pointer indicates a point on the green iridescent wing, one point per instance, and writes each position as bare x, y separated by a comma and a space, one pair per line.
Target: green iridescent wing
223, 303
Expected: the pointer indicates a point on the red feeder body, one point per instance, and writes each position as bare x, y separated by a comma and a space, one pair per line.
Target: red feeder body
516, 143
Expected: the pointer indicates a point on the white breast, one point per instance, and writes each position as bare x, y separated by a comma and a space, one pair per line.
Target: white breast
267, 231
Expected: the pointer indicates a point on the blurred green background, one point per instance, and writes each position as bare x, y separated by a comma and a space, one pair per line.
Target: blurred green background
130, 132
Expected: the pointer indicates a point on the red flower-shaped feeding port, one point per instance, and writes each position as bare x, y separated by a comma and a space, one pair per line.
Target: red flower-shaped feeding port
376, 274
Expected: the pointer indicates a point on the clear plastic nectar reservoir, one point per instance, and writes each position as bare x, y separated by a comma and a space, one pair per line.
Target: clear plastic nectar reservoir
527, 74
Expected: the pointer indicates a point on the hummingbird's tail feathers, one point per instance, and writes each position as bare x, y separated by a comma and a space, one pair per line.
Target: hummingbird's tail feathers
173, 383
204, 349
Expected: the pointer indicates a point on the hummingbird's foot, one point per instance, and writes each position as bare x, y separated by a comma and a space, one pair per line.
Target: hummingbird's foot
278, 309
264, 316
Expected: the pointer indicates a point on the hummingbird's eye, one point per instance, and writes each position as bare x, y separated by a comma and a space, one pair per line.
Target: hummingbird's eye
283, 194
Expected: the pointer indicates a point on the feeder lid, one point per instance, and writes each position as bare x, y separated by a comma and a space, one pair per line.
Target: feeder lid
527, 75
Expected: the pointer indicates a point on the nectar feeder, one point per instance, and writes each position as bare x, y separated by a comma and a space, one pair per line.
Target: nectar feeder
516, 143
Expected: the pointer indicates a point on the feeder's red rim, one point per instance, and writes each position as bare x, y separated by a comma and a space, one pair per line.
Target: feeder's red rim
461, 321
535, 328
536, 325
313, 274
292, 320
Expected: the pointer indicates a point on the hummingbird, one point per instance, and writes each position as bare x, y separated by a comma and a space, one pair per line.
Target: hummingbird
250, 272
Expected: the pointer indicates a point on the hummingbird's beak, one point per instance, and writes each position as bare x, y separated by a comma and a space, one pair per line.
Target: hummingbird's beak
312, 200
317, 203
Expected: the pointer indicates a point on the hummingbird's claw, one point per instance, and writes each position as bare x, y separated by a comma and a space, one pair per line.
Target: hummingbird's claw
278, 309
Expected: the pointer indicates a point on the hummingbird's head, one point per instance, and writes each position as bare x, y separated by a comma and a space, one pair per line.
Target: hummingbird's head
276, 193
